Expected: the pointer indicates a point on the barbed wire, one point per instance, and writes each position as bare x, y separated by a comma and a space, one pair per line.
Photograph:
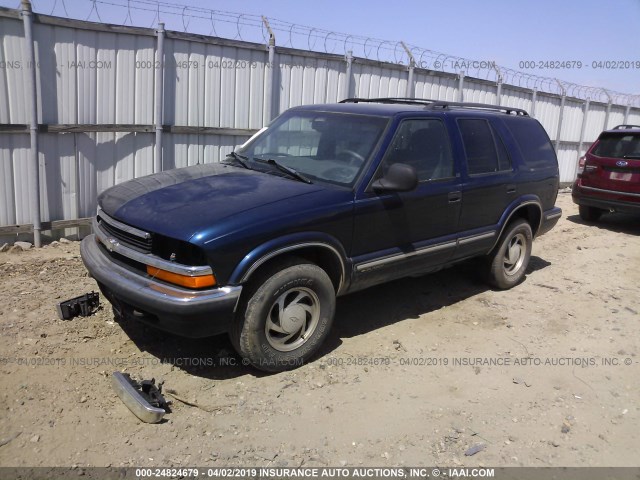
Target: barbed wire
251, 28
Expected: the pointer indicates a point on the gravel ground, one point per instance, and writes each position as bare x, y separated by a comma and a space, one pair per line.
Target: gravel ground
415, 372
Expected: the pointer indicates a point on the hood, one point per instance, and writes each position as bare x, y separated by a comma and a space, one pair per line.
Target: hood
181, 202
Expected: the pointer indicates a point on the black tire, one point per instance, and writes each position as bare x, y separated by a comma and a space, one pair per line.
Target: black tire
589, 214
510, 259
297, 301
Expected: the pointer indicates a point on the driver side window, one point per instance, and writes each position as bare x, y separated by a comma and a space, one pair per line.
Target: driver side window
423, 144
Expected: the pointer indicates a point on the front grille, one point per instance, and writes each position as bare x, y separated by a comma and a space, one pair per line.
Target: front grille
128, 239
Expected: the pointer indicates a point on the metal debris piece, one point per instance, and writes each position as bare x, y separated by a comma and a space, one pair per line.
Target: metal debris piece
143, 398
520, 380
478, 447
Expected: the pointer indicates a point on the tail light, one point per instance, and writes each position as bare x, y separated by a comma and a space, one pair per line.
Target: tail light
585, 166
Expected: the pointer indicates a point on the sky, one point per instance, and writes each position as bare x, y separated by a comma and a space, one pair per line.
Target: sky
505, 31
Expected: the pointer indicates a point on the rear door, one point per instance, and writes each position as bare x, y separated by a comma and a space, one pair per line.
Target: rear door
489, 184
613, 163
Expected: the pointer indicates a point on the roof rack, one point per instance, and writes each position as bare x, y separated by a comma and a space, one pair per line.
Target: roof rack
482, 106
431, 104
625, 127
402, 100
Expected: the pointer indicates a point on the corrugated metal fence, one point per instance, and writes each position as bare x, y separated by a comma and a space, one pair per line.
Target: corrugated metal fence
96, 86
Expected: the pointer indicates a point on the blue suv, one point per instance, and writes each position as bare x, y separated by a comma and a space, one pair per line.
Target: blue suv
329, 199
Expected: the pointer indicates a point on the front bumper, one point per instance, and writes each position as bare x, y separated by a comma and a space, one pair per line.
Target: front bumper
189, 313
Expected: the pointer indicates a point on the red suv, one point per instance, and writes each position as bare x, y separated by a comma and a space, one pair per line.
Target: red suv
609, 174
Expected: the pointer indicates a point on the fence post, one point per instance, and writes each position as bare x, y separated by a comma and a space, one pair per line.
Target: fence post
347, 79
534, 97
409, 92
626, 114
606, 116
562, 102
498, 84
34, 162
461, 86
157, 158
608, 111
271, 71
583, 127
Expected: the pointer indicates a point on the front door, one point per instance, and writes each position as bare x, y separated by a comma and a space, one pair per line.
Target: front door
401, 233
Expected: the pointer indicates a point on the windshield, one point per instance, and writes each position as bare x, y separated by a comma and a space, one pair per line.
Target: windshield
321, 146
617, 145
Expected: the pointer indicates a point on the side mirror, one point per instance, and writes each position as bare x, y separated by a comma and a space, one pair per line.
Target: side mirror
399, 178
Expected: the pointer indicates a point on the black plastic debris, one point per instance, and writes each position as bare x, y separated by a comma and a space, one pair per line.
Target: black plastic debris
84, 305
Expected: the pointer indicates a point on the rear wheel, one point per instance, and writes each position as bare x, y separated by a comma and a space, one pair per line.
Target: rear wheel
285, 318
510, 259
589, 214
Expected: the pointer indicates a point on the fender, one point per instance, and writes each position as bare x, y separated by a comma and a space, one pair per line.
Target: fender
288, 243
513, 207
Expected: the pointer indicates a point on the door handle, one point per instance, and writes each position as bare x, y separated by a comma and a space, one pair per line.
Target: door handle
454, 196
511, 189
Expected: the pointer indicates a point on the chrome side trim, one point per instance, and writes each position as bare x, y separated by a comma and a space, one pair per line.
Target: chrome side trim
114, 245
615, 192
290, 248
121, 226
402, 256
461, 241
475, 238
553, 215
134, 400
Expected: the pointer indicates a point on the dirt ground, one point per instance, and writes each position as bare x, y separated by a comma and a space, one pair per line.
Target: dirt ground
414, 373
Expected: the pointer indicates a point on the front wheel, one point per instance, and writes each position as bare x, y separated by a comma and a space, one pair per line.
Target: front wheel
285, 318
510, 259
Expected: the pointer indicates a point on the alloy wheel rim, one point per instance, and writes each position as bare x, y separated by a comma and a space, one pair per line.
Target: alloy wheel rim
514, 254
292, 319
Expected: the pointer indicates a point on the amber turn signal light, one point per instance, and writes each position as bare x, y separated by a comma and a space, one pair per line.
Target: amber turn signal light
201, 281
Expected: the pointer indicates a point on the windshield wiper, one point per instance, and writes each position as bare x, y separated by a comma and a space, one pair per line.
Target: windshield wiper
290, 171
631, 156
241, 159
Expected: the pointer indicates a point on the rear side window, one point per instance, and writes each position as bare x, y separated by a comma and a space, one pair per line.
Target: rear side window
534, 143
484, 149
423, 144
616, 145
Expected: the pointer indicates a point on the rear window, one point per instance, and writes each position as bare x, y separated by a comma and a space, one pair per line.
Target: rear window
533, 141
618, 145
